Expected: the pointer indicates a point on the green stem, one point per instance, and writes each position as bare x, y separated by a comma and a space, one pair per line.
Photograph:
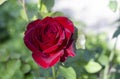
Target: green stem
111, 56
114, 50
106, 72
105, 76
23, 4
53, 72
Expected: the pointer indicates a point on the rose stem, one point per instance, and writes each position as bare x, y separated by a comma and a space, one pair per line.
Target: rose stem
53, 72
24, 8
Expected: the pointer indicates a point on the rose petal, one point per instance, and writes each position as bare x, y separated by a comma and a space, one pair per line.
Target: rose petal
68, 34
46, 62
64, 56
56, 46
31, 41
31, 46
47, 20
70, 49
66, 23
33, 24
68, 52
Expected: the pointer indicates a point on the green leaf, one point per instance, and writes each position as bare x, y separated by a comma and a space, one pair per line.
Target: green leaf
12, 67
93, 67
44, 9
31, 62
15, 55
2, 1
80, 43
30, 76
25, 68
2, 70
23, 14
88, 55
116, 33
118, 59
57, 13
4, 55
32, 10
18, 75
67, 73
113, 5
103, 59
48, 3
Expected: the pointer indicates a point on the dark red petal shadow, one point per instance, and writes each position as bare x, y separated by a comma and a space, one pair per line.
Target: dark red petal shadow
33, 24
70, 50
49, 61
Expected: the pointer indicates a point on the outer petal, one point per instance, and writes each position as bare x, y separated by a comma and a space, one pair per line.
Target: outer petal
30, 41
33, 24
64, 57
47, 61
30, 46
47, 20
68, 34
65, 22
70, 49
68, 52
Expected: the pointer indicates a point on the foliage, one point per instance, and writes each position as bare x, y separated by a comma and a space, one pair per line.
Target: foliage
93, 57
113, 5
2, 1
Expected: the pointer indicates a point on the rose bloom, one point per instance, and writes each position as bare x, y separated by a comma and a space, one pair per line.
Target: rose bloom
50, 40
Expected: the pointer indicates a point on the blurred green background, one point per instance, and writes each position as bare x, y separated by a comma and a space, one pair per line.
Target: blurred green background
94, 59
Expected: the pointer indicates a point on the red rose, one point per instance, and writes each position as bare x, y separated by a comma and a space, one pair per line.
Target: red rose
50, 40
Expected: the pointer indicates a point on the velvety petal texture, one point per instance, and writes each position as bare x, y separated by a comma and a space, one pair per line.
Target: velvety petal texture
50, 40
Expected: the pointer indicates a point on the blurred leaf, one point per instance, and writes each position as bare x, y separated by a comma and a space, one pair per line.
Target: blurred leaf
11, 10
57, 13
113, 5
4, 34
46, 14
117, 73
15, 55
118, 59
78, 58
79, 24
103, 59
25, 68
2, 70
30, 76
34, 18
93, 67
32, 10
88, 55
116, 33
45, 72
18, 75
2, 1
67, 73
44, 9
23, 14
118, 20
12, 67
31, 62
80, 43
4, 55
48, 3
